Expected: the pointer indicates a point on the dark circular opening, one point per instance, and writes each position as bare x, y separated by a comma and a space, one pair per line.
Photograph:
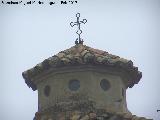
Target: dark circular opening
47, 90
105, 85
74, 85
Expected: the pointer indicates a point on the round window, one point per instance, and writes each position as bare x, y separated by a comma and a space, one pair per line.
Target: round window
74, 85
105, 85
47, 90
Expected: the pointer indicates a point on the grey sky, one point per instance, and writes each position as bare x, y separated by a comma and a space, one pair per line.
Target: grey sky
30, 34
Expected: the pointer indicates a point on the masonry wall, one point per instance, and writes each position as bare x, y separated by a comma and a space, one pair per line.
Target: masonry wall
90, 89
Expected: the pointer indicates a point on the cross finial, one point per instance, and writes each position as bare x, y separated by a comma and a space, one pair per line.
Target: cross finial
79, 31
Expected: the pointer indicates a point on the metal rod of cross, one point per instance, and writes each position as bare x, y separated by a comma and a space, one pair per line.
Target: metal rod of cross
79, 31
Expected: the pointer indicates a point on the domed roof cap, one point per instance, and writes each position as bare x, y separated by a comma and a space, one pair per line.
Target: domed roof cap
83, 55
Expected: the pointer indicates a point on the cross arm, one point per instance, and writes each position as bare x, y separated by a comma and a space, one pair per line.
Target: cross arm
73, 24
84, 21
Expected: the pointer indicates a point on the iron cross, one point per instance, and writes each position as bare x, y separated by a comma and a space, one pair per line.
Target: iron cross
79, 31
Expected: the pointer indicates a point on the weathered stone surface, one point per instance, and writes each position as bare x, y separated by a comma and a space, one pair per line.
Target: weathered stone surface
92, 116
86, 117
76, 115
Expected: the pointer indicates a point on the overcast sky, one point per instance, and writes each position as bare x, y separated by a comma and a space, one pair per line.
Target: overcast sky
29, 34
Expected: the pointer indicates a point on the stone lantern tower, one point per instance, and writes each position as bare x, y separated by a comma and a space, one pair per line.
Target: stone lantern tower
83, 83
